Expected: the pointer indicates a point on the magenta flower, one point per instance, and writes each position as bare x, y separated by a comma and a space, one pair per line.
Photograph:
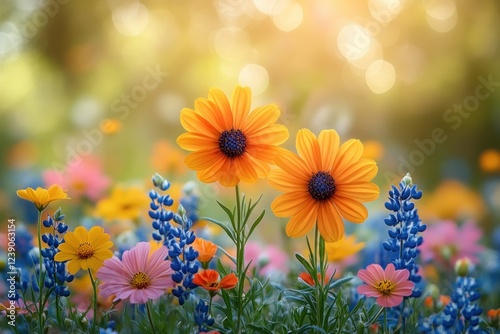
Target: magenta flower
446, 242
389, 286
85, 179
138, 276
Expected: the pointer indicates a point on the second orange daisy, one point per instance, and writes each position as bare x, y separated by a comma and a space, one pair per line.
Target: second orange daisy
323, 183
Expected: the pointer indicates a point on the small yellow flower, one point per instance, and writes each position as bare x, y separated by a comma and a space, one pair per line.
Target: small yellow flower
42, 197
84, 249
345, 247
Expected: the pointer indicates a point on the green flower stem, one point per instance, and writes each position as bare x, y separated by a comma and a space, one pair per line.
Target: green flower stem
386, 329
240, 260
150, 318
94, 298
319, 262
40, 274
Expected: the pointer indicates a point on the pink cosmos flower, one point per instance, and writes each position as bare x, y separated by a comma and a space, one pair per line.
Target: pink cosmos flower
86, 179
446, 242
138, 276
389, 286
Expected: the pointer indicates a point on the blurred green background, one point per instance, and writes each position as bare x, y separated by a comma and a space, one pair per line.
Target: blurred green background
109, 78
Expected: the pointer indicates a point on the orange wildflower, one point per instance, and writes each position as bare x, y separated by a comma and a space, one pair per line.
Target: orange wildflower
210, 280
205, 248
306, 277
228, 142
323, 183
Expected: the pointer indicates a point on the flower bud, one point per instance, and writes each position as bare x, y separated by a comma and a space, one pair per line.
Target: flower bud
463, 267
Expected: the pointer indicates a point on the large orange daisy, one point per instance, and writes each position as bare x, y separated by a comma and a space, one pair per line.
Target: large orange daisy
228, 142
323, 183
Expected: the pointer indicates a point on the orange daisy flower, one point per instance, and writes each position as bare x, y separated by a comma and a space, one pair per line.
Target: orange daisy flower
323, 183
228, 142
209, 280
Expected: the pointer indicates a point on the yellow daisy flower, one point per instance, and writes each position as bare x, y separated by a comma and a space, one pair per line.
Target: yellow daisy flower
42, 197
228, 142
322, 184
124, 203
85, 249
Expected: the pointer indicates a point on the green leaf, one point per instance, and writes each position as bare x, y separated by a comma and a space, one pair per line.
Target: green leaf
340, 281
227, 254
227, 229
306, 264
220, 266
255, 224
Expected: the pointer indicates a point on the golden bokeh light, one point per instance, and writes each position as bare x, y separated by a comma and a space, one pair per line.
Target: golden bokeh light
380, 76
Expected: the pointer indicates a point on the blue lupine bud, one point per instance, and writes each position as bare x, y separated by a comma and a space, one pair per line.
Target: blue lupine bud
154, 215
153, 195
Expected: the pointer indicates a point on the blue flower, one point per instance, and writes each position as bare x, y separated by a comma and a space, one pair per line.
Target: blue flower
405, 229
56, 275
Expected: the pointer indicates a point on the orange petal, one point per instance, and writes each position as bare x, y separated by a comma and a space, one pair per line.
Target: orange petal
212, 174
275, 134
329, 142
261, 118
350, 209
210, 111
201, 160
227, 175
303, 221
308, 149
194, 122
363, 170
293, 165
349, 153
330, 224
228, 282
219, 98
283, 181
244, 169
266, 153
241, 100
196, 141
289, 204
361, 191
261, 167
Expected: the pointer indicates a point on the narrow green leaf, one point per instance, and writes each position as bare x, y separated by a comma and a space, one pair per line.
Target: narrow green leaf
340, 281
227, 229
228, 212
255, 224
306, 264
227, 254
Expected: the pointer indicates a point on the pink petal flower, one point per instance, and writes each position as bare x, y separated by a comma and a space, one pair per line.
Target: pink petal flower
117, 276
389, 286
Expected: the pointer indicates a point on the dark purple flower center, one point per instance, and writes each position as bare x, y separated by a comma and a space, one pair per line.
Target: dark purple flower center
321, 186
232, 143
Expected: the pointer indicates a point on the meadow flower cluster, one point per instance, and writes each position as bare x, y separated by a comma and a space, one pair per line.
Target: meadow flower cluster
151, 261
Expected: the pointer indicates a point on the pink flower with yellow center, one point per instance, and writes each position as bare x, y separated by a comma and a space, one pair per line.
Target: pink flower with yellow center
138, 276
389, 286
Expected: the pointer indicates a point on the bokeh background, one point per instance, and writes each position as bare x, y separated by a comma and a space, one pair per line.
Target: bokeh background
417, 81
